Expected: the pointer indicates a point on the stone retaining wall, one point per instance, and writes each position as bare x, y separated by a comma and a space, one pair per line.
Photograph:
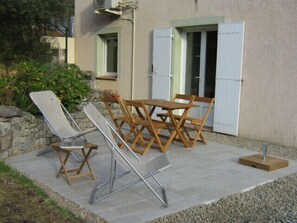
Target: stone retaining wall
26, 133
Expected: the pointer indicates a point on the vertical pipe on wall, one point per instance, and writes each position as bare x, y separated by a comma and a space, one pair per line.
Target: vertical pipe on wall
133, 6
133, 56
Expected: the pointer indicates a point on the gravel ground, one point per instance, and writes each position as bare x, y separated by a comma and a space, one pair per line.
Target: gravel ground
273, 202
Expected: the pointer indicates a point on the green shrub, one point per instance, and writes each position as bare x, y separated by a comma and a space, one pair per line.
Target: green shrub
5, 90
67, 82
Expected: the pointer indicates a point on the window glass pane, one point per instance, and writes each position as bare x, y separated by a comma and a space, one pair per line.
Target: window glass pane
111, 54
210, 66
193, 63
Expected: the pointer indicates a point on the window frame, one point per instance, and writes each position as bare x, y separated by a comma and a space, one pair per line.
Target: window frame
101, 54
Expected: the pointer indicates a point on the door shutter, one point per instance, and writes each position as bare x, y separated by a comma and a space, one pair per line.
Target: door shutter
228, 78
161, 76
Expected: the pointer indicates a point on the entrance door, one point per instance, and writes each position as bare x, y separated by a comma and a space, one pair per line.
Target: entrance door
200, 68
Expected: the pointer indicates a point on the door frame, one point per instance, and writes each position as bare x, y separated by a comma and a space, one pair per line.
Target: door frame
178, 26
197, 112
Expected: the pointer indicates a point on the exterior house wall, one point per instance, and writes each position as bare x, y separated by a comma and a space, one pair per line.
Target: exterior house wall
268, 109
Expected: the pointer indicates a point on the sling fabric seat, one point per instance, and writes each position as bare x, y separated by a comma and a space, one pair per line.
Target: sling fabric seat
128, 160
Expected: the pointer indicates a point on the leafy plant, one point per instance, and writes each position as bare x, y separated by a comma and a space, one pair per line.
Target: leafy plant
5, 90
67, 82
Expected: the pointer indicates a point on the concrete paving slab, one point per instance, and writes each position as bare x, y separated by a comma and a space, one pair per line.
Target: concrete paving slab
198, 176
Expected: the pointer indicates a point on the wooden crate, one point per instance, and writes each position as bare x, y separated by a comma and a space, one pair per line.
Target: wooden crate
271, 163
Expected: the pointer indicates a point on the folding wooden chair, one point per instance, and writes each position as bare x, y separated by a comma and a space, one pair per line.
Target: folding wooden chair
193, 123
143, 121
182, 98
132, 166
121, 121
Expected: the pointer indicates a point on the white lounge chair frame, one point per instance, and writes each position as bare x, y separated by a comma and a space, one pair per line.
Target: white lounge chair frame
141, 169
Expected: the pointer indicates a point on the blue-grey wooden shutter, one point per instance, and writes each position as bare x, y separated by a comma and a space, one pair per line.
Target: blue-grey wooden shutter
161, 76
228, 78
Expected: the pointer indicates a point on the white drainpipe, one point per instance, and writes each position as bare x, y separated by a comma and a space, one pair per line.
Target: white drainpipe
133, 53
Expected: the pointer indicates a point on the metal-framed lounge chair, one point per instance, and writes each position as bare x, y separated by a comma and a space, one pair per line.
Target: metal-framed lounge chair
128, 160
57, 117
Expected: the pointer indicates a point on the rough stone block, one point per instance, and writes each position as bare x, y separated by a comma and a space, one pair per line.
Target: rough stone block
5, 142
17, 127
16, 142
28, 145
5, 128
17, 120
10, 111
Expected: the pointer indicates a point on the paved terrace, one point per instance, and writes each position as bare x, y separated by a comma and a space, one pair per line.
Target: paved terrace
198, 176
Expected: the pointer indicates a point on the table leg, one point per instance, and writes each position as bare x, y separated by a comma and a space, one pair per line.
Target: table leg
63, 166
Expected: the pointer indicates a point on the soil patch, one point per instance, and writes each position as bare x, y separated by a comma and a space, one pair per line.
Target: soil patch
19, 203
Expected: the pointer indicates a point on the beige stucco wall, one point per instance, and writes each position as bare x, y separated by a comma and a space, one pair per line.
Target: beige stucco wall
268, 100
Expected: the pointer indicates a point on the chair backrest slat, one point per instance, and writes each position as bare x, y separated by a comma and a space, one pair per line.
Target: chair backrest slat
141, 110
186, 98
110, 101
183, 98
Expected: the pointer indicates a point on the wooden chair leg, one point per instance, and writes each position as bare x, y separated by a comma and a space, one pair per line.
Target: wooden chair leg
199, 137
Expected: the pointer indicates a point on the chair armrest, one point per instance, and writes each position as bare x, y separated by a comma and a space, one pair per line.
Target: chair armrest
84, 132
